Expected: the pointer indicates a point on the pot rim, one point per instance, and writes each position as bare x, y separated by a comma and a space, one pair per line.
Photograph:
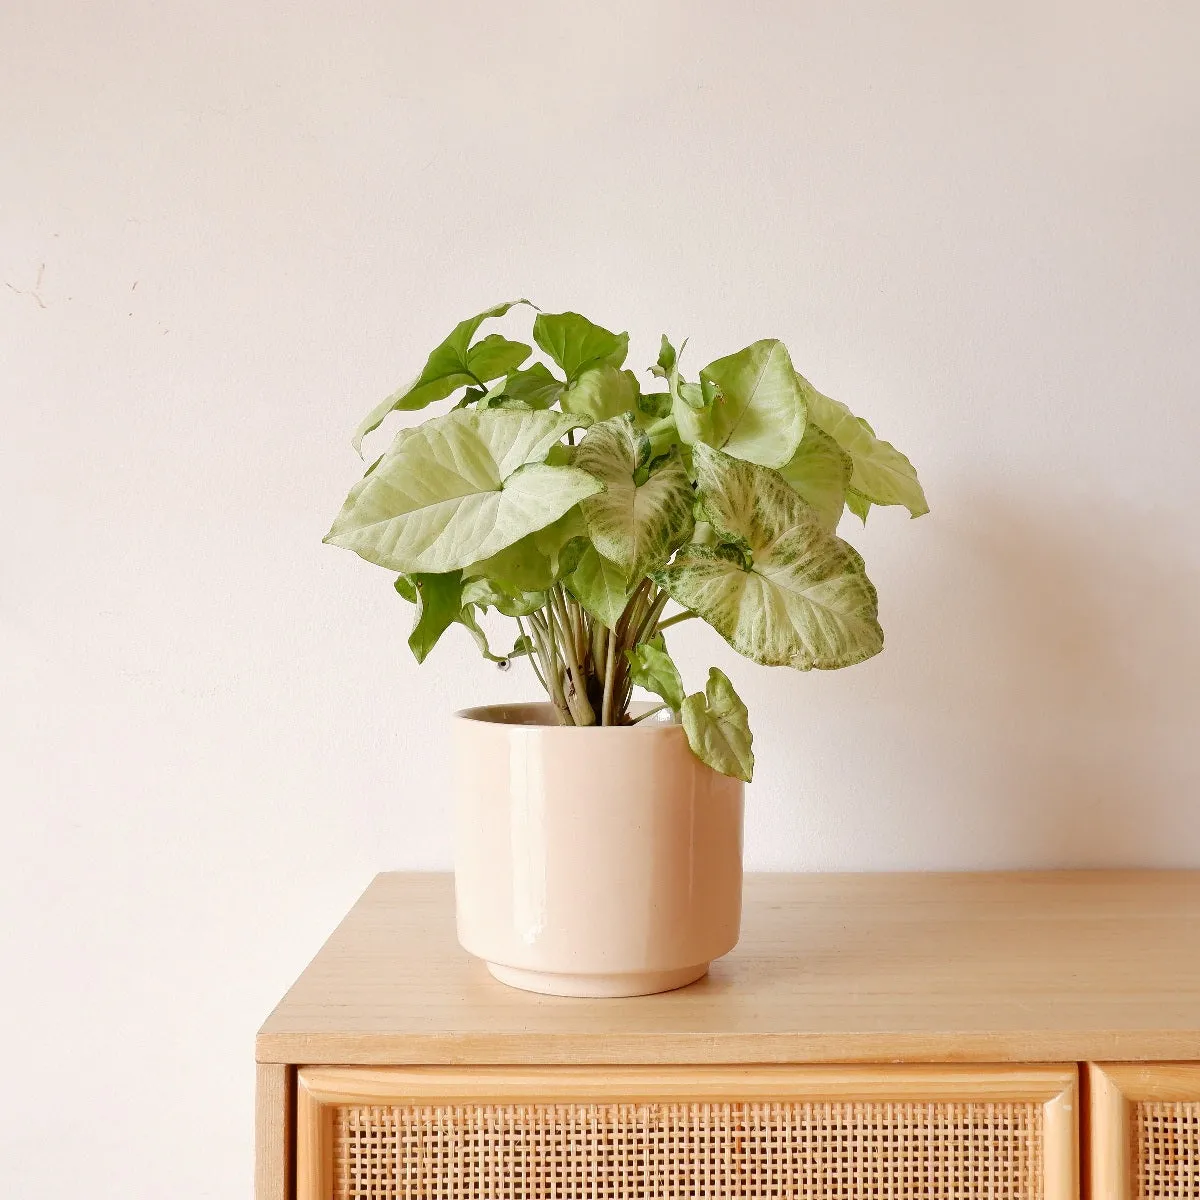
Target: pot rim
541, 714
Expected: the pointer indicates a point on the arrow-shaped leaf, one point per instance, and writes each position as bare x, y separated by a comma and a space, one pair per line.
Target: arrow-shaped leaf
718, 728
634, 525
882, 474
459, 488
453, 365
783, 591
759, 411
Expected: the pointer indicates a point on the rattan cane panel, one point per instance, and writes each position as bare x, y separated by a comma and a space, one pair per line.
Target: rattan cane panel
1167, 1144
752, 1151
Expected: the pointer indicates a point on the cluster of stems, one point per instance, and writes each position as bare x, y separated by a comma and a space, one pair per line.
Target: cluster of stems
582, 664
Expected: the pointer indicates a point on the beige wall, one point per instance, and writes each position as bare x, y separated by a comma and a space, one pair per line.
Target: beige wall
227, 229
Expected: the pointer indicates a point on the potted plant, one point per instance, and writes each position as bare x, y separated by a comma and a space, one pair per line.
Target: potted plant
598, 840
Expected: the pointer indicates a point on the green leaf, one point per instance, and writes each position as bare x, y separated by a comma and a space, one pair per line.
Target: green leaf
493, 395
454, 364
718, 729
485, 594
653, 670
576, 343
636, 527
601, 392
820, 471
439, 602
600, 586
538, 560
468, 618
882, 474
536, 385
858, 504
802, 600
698, 396
668, 360
458, 489
494, 357
692, 425
759, 414
654, 406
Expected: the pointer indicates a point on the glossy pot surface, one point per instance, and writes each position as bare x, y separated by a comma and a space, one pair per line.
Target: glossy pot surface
592, 862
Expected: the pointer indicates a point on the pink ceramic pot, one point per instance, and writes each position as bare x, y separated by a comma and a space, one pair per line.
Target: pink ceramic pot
592, 862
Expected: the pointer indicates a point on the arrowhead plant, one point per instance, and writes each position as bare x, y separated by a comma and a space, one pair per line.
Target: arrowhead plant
572, 502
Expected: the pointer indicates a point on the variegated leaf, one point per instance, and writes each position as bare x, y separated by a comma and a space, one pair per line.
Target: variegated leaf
634, 525
790, 594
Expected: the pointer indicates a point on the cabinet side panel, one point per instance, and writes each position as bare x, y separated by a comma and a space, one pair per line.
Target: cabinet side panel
273, 1123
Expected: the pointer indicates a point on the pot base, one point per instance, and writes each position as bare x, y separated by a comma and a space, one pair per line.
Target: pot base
633, 983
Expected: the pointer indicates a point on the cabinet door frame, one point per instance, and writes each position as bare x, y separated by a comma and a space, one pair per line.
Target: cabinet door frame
1113, 1091
320, 1090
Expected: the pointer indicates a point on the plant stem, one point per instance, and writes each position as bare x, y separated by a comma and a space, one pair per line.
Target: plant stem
648, 713
534, 656
650, 620
600, 636
679, 616
545, 631
609, 672
577, 695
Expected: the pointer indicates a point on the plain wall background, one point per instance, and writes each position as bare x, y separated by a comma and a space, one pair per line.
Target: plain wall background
227, 230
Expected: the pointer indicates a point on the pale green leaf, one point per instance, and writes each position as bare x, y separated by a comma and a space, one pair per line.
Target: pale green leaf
601, 392
667, 366
539, 559
692, 425
652, 669
453, 365
792, 594
882, 474
485, 594
636, 526
460, 488
576, 343
718, 729
759, 413
600, 586
668, 360
820, 471
858, 504
468, 619
698, 395
492, 396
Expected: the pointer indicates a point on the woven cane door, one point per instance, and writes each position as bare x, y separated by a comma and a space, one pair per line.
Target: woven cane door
664, 1134
1145, 1131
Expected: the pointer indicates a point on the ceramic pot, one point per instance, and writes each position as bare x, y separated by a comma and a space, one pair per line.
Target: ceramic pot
592, 862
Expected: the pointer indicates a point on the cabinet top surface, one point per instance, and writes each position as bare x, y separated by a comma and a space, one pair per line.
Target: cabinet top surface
1012, 967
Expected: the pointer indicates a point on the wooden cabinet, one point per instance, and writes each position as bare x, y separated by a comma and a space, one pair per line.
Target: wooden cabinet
1144, 1130
884, 1037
